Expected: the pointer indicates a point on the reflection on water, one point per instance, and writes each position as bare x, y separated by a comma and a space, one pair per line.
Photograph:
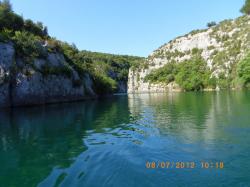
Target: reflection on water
108, 142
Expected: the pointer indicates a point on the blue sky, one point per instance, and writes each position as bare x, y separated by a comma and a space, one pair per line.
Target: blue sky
135, 27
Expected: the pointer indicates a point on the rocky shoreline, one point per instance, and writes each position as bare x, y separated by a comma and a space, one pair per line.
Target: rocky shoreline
23, 84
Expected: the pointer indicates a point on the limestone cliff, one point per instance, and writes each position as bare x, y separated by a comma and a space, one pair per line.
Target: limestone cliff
221, 46
40, 81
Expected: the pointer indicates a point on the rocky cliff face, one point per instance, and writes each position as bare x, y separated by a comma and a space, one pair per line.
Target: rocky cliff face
40, 81
221, 46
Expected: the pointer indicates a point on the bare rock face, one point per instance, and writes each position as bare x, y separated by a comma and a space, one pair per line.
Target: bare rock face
122, 87
4, 95
25, 84
37, 89
56, 59
38, 63
7, 54
88, 85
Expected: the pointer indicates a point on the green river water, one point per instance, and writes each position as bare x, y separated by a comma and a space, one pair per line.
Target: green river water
180, 139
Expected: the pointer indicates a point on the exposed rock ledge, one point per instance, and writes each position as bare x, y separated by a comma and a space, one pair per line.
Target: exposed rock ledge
137, 85
24, 84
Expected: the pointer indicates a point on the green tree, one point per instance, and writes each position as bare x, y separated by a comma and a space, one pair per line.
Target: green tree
36, 29
165, 74
28, 45
5, 4
8, 19
211, 24
243, 70
193, 74
246, 8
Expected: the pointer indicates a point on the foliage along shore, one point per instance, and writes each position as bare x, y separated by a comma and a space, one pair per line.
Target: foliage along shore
36, 68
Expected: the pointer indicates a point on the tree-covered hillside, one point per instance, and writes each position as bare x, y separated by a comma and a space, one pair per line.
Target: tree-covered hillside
32, 41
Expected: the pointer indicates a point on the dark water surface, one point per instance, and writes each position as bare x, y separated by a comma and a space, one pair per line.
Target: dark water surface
109, 142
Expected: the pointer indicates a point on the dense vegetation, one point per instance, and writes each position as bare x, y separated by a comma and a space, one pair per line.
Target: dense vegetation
243, 70
11, 21
194, 75
246, 8
191, 75
31, 40
211, 24
106, 69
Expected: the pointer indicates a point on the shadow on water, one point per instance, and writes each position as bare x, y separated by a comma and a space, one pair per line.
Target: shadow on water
106, 142
35, 140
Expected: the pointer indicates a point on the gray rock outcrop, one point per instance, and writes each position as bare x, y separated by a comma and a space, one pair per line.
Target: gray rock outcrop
29, 84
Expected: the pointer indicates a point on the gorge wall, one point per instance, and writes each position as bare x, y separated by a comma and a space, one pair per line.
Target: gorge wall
221, 46
23, 83
40, 69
